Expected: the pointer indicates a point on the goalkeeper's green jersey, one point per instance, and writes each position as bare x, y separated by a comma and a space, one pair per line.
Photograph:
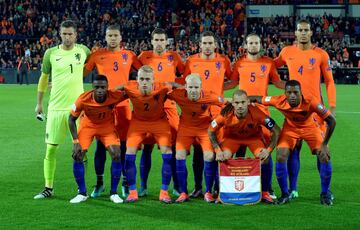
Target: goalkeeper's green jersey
66, 69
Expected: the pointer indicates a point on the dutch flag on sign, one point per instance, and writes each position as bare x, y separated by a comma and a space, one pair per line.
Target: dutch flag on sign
240, 181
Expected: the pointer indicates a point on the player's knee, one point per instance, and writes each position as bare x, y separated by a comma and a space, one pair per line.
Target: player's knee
209, 156
266, 161
79, 157
180, 155
282, 154
227, 155
165, 149
131, 150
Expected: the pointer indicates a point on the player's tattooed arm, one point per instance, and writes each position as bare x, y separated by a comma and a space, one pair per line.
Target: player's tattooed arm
174, 85
213, 139
230, 84
256, 99
280, 84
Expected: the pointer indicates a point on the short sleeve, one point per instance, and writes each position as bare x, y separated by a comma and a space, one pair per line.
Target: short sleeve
46, 64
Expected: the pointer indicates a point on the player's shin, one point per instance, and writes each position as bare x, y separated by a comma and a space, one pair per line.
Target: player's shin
173, 168
325, 176
166, 171
50, 165
209, 174
145, 165
281, 174
181, 172
99, 162
293, 164
130, 170
79, 174
198, 166
266, 176
115, 175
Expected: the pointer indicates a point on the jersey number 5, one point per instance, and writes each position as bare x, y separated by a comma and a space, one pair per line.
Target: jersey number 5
252, 77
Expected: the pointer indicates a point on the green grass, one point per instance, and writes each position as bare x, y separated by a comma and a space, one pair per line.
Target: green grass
21, 177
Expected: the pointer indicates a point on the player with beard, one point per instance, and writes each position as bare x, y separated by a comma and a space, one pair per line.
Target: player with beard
213, 69
253, 73
166, 65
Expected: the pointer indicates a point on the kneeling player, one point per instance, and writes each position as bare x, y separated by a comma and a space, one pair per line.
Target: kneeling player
299, 125
97, 121
242, 126
194, 121
148, 118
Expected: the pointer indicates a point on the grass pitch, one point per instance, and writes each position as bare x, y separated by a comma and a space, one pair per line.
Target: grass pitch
21, 177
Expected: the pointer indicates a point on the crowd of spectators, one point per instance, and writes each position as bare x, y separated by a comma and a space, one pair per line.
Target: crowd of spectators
29, 27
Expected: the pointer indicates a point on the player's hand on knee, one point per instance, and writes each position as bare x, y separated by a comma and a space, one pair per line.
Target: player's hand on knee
220, 156
323, 154
77, 152
227, 155
263, 155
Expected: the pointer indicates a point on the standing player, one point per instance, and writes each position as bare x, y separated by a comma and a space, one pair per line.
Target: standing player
149, 118
253, 73
195, 118
97, 120
306, 64
212, 68
242, 126
116, 64
166, 65
299, 124
65, 62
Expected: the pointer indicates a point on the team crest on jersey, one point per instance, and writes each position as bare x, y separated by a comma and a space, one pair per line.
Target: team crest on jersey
263, 68
78, 56
239, 185
125, 57
204, 106
218, 65
312, 63
250, 126
170, 58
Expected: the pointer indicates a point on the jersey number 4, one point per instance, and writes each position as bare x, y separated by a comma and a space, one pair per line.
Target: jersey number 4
300, 70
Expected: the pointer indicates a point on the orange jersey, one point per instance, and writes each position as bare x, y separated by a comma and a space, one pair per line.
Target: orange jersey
307, 67
97, 113
164, 66
212, 72
115, 65
147, 107
195, 114
249, 126
254, 76
300, 116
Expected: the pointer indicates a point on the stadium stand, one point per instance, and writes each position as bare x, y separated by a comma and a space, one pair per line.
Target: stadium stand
28, 28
